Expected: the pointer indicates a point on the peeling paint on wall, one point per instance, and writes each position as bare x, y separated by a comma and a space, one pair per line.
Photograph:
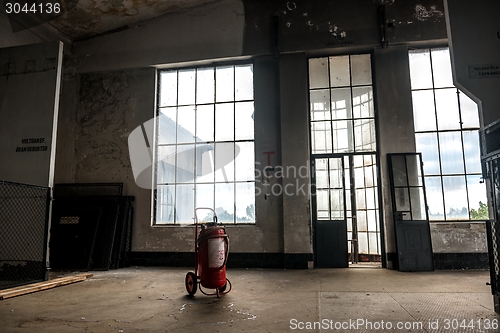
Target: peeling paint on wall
336, 31
101, 143
424, 14
291, 6
458, 237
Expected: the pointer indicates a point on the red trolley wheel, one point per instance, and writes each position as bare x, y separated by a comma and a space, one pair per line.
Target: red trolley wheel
191, 283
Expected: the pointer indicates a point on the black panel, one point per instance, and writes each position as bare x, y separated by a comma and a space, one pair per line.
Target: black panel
460, 261
413, 242
235, 260
87, 189
91, 227
123, 226
331, 244
491, 139
72, 236
105, 237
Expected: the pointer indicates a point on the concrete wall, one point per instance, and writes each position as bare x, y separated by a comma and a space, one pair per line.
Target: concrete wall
459, 237
109, 89
475, 42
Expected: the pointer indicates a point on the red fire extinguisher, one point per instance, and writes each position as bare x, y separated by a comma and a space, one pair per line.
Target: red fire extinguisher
211, 251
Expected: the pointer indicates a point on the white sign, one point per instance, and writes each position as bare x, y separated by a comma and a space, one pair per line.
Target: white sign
484, 71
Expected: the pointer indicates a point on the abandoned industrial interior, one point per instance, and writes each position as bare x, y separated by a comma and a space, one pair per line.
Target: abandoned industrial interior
249, 166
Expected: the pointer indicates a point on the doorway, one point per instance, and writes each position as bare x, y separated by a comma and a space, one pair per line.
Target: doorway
345, 203
346, 211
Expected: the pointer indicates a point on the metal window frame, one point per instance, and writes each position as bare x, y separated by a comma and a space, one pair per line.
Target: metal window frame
461, 129
234, 182
333, 154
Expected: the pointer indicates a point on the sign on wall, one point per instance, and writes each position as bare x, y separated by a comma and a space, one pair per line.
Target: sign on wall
30, 78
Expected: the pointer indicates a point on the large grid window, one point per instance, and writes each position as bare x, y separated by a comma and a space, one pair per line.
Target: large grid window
342, 111
343, 144
205, 144
446, 132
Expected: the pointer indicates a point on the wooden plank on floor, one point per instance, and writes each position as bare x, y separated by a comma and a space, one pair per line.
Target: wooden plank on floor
31, 288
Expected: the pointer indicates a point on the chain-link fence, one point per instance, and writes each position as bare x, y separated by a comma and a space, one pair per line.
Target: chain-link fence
24, 213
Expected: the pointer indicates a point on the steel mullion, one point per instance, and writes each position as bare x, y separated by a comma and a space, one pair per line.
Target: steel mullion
437, 134
330, 104
234, 144
215, 118
463, 151
176, 144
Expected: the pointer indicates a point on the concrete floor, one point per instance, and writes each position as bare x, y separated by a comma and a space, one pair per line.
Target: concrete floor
144, 299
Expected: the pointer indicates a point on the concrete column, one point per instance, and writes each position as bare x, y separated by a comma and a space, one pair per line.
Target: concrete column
295, 154
395, 124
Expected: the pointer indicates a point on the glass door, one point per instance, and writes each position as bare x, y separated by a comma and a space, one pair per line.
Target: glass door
330, 227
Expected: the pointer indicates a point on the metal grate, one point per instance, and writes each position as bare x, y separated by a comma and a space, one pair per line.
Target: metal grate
494, 227
494, 233
69, 220
23, 233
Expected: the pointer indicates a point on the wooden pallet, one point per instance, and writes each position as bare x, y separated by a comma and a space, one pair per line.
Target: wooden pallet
31, 288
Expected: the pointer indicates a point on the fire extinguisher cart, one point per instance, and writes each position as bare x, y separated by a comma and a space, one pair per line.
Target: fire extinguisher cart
211, 248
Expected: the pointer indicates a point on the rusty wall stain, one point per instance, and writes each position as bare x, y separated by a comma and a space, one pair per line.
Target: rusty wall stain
101, 135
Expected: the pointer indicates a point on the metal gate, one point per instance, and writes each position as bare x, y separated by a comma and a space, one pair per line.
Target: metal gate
24, 217
490, 146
